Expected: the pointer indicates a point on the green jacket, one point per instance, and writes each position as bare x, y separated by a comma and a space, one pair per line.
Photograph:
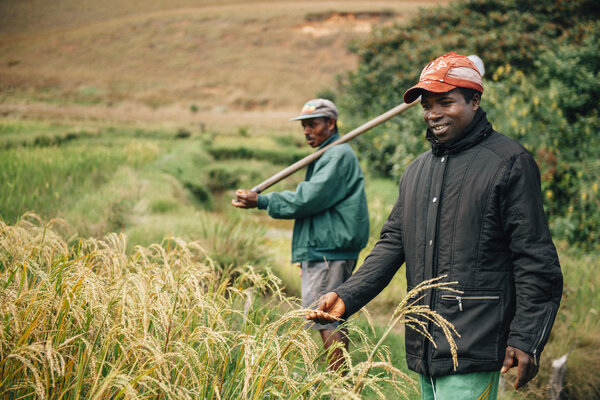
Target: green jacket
330, 207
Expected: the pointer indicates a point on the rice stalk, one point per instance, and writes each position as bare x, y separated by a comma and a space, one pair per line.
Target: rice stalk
90, 320
408, 312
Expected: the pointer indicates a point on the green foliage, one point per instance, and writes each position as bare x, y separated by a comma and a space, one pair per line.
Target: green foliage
575, 69
184, 161
244, 131
234, 174
514, 32
389, 148
276, 156
37, 134
541, 87
45, 179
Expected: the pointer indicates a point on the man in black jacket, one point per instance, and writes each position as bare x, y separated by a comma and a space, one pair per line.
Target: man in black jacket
469, 209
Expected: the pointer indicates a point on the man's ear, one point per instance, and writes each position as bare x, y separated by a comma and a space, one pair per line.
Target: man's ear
475, 101
331, 124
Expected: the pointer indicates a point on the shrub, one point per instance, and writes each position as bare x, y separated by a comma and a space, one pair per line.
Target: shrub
275, 156
511, 32
541, 87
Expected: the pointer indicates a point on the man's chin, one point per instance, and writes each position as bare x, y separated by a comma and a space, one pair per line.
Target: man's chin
443, 136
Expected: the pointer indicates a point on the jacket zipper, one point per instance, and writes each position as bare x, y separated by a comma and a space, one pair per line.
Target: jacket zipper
535, 349
459, 299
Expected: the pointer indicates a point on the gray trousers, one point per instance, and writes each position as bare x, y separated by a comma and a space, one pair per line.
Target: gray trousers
320, 277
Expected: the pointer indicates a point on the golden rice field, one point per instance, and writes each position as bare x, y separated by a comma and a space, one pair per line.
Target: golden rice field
88, 319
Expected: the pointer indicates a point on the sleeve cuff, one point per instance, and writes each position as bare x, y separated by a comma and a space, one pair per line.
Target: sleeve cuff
519, 344
346, 299
263, 202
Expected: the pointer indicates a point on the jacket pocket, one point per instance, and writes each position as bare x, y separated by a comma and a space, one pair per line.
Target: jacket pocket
414, 337
478, 318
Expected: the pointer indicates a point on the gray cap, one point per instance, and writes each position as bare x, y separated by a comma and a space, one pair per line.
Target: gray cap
316, 108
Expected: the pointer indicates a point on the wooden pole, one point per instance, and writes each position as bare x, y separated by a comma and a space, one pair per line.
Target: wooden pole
346, 138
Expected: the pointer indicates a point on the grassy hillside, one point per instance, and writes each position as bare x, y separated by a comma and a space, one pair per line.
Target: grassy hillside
206, 55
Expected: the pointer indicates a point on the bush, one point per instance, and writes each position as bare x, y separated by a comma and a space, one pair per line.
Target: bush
513, 32
234, 174
541, 87
275, 156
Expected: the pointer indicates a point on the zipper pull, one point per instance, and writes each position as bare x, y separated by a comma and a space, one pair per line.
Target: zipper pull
459, 302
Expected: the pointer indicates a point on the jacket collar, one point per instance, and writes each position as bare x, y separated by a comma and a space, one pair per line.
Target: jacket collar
478, 129
330, 139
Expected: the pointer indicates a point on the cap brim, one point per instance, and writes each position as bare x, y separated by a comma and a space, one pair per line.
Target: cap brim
431, 86
308, 116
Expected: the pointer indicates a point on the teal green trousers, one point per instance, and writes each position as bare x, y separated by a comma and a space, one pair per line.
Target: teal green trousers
473, 386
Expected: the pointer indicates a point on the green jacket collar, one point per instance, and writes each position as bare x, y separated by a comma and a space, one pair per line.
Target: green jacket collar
331, 139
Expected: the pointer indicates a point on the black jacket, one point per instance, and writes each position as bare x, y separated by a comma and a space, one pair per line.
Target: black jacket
470, 209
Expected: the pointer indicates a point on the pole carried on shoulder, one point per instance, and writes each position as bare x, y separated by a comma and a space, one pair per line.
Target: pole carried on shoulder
346, 138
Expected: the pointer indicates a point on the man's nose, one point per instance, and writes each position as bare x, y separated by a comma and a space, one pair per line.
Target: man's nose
434, 113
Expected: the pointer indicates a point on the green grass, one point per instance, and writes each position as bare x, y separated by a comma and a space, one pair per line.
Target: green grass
47, 179
39, 134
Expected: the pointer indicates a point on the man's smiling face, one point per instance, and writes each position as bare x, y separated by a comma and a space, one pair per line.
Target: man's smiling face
448, 114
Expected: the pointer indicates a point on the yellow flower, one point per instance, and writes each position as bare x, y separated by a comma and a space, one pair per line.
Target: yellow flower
549, 194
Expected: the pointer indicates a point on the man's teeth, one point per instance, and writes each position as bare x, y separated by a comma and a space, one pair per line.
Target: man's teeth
439, 127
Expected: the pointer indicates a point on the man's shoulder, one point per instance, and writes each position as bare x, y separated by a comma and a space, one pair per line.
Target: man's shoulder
504, 146
420, 159
341, 151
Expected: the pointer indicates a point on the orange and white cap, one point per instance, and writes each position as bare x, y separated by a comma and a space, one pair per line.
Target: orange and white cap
444, 74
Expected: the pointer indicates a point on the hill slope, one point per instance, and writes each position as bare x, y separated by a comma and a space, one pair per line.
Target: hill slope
210, 56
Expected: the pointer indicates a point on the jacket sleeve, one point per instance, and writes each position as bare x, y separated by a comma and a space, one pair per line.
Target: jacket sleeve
379, 267
326, 187
537, 274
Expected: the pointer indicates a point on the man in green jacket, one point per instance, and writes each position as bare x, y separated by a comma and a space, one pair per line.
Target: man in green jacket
331, 217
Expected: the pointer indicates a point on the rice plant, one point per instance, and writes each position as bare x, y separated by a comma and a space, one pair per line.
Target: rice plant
87, 319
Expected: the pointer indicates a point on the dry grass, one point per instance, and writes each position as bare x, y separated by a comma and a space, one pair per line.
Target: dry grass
217, 56
91, 320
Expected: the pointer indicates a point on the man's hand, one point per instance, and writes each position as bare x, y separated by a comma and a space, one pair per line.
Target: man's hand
527, 368
245, 199
331, 308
